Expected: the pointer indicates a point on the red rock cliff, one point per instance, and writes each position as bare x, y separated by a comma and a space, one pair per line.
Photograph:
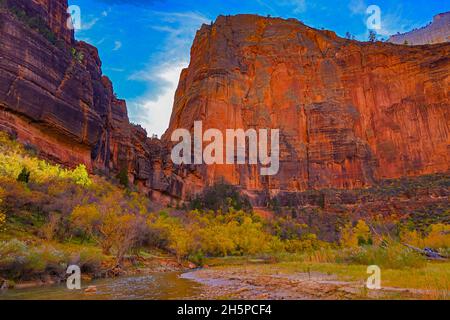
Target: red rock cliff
437, 31
349, 113
54, 96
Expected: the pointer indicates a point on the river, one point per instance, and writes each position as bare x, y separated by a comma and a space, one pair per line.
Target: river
157, 286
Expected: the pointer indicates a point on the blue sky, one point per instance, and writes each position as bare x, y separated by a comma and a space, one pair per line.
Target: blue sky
144, 44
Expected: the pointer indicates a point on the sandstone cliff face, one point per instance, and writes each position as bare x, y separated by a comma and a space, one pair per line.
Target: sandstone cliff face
349, 113
437, 31
53, 95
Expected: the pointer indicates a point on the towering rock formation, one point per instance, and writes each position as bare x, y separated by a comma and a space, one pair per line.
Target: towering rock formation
53, 95
437, 31
349, 113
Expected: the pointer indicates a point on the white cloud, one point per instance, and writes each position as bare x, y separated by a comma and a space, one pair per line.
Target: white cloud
153, 109
117, 45
299, 6
357, 7
391, 21
88, 25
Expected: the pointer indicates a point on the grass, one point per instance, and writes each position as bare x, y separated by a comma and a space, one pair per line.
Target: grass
434, 277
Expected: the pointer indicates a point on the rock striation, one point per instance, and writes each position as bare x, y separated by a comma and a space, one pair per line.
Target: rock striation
349, 113
54, 96
437, 31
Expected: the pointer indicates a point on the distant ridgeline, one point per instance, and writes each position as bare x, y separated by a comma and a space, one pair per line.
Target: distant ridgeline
437, 31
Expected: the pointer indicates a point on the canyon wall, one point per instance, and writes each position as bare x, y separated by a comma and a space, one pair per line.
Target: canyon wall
349, 113
54, 96
437, 31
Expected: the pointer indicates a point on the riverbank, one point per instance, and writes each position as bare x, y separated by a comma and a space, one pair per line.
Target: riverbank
300, 281
240, 278
131, 267
154, 286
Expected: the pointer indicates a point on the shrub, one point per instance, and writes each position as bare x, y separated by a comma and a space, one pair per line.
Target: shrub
221, 197
24, 176
34, 22
197, 258
392, 256
2, 212
90, 260
85, 218
78, 56
109, 226
80, 176
123, 177
49, 229
212, 234
18, 260
2, 220
356, 236
437, 237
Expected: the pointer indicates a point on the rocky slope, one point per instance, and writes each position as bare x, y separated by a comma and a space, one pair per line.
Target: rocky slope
54, 96
437, 31
349, 113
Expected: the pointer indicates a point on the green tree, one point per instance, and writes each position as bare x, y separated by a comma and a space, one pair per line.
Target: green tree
24, 175
372, 36
123, 177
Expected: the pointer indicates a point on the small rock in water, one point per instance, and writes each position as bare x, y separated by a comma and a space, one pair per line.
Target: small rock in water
191, 265
91, 289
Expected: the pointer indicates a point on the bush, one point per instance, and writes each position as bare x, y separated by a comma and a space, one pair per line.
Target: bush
213, 234
90, 260
24, 176
123, 178
19, 261
356, 236
109, 226
436, 237
392, 256
2, 212
78, 56
221, 197
34, 22
198, 258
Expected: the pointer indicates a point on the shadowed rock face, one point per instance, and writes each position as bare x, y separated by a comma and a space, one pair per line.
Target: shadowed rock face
349, 113
53, 95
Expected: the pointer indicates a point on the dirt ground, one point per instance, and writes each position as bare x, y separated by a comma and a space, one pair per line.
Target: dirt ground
244, 283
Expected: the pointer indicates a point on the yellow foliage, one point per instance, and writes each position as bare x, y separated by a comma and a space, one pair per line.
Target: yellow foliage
352, 237
2, 213
437, 238
107, 224
85, 217
214, 234
2, 220
13, 159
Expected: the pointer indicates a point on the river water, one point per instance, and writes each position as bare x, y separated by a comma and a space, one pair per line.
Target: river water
157, 286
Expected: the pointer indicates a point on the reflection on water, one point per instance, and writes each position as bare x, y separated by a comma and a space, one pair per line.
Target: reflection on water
162, 286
